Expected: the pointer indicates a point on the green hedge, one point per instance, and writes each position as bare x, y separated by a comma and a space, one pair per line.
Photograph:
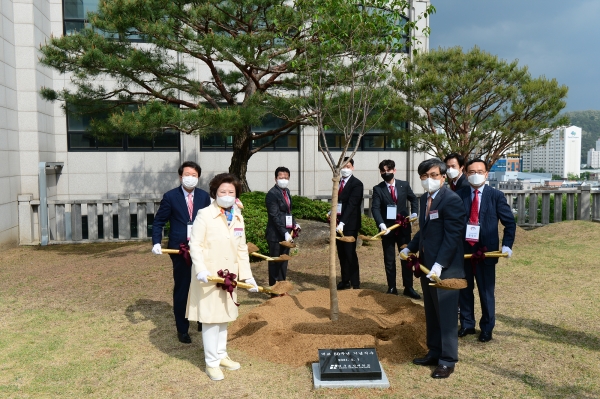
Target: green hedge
255, 216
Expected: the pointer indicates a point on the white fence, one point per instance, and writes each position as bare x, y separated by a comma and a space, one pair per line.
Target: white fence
131, 219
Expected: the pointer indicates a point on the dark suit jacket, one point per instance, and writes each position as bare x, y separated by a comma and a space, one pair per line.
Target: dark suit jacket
173, 209
277, 209
351, 200
382, 198
439, 240
492, 208
461, 183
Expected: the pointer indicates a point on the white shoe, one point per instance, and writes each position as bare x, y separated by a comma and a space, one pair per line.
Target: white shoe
229, 364
214, 373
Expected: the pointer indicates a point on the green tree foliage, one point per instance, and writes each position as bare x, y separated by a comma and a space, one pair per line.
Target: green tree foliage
589, 122
248, 48
475, 104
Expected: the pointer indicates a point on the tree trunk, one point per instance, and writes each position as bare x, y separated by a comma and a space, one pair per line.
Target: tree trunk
239, 159
333, 294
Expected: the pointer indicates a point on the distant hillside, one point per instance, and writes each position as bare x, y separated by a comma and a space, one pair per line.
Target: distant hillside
589, 121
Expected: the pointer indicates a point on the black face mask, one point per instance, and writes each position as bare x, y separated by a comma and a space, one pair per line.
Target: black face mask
387, 176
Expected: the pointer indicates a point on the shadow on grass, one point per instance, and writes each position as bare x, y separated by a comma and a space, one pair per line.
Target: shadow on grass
545, 389
164, 335
100, 248
554, 333
307, 281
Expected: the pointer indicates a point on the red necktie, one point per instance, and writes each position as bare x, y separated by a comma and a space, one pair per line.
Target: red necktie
429, 201
286, 198
190, 205
341, 187
393, 192
474, 216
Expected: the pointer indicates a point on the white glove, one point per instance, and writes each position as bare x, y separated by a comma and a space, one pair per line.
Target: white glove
340, 227
436, 269
404, 253
203, 276
413, 215
253, 282
383, 227
297, 227
156, 249
506, 250
288, 237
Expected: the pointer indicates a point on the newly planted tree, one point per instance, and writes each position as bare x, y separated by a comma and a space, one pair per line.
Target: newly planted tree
345, 80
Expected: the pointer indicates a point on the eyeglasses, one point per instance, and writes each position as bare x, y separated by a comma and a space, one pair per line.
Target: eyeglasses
432, 175
476, 172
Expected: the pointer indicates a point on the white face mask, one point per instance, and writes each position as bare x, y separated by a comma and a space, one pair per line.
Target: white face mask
282, 183
189, 182
346, 172
476, 180
452, 173
225, 201
430, 185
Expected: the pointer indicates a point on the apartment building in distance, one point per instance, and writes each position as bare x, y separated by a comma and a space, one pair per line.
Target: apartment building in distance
593, 156
561, 155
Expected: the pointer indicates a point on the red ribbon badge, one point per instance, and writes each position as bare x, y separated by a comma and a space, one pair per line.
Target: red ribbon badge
184, 250
413, 263
229, 284
478, 257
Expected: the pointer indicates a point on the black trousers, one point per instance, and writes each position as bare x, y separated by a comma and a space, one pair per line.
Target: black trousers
277, 270
440, 317
182, 275
389, 243
349, 261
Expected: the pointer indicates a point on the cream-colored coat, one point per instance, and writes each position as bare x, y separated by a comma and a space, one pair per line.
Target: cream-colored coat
216, 246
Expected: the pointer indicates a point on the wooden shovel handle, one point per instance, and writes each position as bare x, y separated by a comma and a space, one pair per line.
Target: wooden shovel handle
239, 284
427, 271
493, 254
392, 227
170, 252
261, 256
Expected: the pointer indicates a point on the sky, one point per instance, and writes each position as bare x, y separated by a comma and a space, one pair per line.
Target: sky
556, 38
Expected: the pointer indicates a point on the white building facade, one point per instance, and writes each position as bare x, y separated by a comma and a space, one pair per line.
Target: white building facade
561, 155
593, 156
35, 132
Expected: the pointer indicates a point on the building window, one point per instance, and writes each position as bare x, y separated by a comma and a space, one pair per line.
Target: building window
374, 140
80, 139
75, 18
224, 142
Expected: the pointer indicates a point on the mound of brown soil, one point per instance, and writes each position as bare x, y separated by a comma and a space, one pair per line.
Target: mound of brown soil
291, 329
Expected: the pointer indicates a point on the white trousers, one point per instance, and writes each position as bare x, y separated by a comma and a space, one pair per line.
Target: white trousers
214, 340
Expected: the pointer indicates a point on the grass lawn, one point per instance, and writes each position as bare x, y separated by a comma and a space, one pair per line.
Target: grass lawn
95, 320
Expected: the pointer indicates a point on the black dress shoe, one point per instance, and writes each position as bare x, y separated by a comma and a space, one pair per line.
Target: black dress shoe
392, 291
199, 326
485, 336
343, 286
356, 287
411, 293
465, 331
425, 361
442, 371
184, 338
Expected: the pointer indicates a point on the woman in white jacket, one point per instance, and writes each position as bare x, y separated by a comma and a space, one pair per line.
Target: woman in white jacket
218, 244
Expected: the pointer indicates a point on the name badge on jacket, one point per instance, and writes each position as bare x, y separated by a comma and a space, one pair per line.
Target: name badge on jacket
434, 214
189, 230
238, 231
288, 222
392, 212
472, 234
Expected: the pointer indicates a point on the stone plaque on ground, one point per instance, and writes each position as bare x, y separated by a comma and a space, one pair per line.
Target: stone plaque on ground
349, 364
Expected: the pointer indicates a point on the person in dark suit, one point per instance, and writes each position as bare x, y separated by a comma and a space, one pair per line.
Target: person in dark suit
455, 164
439, 243
390, 198
280, 224
484, 207
179, 207
350, 196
